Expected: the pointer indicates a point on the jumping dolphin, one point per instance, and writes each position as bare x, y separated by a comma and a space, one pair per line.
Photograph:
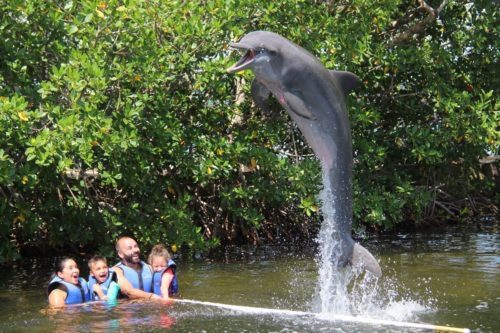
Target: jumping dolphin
314, 97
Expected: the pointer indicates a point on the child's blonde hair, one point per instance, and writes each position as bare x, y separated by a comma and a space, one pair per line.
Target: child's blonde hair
159, 251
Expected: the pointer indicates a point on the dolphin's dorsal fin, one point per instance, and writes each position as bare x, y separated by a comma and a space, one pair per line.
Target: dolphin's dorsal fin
347, 80
362, 257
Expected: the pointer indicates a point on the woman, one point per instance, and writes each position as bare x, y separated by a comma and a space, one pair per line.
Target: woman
66, 285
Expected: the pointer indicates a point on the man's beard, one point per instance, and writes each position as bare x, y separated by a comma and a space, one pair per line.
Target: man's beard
131, 260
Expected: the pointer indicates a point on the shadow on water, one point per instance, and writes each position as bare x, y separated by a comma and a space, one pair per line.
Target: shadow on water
442, 278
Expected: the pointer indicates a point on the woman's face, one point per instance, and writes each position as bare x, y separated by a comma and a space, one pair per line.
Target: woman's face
70, 272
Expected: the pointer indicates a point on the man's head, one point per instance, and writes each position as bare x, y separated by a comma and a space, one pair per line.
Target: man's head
98, 267
128, 250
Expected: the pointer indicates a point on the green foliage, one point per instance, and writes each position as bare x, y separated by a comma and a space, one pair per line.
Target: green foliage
118, 117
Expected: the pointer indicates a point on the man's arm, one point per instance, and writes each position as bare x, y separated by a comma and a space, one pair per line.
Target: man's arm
128, 290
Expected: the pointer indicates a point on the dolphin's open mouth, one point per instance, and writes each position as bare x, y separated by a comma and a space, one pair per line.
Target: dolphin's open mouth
243, 63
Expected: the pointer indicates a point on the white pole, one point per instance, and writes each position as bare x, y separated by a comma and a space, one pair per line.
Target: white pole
329, 317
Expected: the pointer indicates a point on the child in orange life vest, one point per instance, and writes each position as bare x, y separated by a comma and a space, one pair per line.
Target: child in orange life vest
164, 278
102, 280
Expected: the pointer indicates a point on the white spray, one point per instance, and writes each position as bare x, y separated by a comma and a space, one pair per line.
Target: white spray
349, 290
333, 281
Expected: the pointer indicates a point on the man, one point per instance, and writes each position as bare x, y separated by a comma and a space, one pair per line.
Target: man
135, 277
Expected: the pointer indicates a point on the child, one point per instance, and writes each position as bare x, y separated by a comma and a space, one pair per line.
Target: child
164, 278
102, 280
66, 286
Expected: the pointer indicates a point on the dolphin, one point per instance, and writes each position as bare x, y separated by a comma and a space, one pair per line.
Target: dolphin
314, 97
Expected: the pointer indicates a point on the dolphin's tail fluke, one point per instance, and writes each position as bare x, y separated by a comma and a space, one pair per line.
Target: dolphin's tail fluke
362, 257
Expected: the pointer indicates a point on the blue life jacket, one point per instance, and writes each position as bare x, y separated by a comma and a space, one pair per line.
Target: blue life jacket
104, 286
143, 281
174, 284
76, 293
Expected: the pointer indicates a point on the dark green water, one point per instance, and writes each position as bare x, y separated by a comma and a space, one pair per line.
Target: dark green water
445, 279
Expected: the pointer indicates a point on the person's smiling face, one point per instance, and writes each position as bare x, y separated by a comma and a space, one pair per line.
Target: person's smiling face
129, 251
70, 272
99, 271
159, 263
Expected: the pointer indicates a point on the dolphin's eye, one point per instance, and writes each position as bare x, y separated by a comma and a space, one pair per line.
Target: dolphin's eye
260, 50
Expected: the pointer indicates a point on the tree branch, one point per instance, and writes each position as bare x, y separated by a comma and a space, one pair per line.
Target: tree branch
419, 27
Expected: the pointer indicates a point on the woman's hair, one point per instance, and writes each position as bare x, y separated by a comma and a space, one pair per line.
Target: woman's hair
61, 263
158, 251
59, 267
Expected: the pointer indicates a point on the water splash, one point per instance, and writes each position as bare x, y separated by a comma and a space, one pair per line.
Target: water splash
353, 291
385, 298
312, 318
333, 280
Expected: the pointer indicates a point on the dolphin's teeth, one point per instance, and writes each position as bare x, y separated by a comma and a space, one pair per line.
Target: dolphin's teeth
243, 62
248, 57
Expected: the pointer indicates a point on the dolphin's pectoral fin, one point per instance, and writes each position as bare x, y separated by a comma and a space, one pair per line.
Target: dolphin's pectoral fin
362, 257
260, 95
347, 80
295, 103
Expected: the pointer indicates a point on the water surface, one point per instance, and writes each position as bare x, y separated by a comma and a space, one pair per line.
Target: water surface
442, 278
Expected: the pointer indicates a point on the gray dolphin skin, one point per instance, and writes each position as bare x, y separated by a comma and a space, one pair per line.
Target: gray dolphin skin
314, 97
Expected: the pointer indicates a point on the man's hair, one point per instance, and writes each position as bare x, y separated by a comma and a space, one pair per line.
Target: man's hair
95, 259
117, 247
158, 251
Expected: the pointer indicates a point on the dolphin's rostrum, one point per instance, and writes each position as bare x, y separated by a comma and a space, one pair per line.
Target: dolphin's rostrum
315, 99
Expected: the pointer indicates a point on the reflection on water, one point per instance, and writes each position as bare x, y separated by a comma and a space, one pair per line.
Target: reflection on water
448, 279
